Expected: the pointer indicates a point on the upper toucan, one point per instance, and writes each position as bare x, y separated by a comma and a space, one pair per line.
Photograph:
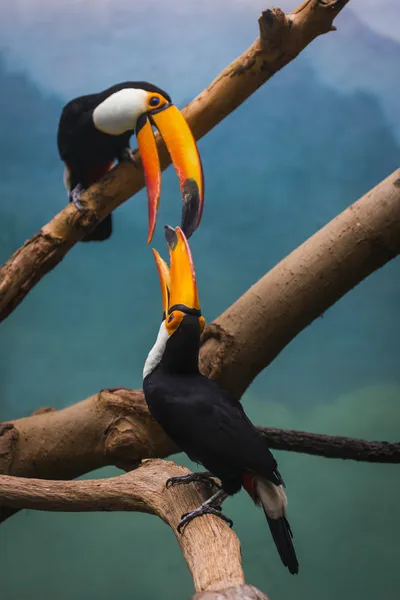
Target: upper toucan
203, 419
94, 132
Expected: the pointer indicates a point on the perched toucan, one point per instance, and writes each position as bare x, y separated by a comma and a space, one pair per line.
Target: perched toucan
203, 419
94, 132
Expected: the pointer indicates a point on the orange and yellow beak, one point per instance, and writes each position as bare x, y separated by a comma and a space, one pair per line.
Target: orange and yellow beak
183, 287
185, 157
178, 282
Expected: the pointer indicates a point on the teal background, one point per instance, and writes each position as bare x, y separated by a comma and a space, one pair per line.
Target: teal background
315, 138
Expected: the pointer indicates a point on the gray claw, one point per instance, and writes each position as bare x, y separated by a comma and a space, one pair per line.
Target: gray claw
203, 477
127, 156
75, 196
198, 512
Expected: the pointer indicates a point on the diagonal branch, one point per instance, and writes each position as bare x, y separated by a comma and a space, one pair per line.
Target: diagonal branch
213, 566
254, 330
282, 38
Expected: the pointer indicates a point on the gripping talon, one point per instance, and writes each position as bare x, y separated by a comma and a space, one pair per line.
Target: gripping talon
198, 512
127, 156
202, 477
75, 196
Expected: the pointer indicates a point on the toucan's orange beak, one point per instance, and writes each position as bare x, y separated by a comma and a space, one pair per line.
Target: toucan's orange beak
183, 287
152, 171
185, 157
165, 281
178, 281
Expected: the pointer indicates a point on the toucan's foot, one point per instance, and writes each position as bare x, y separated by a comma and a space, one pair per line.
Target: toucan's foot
75, 196
212, 506
204, 509
204, 477
127, 156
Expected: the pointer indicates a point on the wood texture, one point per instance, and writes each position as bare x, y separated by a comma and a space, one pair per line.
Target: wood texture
210, 548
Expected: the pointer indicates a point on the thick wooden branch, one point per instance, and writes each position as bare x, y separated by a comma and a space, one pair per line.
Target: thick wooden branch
241, 592
254, 330
114, 427
282, 38
214, 566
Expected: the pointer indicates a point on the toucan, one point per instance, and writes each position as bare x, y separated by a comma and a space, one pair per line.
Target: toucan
94, 132
203, 419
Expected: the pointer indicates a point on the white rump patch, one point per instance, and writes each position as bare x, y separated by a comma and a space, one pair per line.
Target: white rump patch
157, 351
120, 111
272, 497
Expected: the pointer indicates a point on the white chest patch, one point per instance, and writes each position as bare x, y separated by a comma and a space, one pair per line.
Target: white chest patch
157, 351
120, 111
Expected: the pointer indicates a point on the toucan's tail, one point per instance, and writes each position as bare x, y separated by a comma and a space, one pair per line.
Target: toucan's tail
282, 535
273, 500
100, 233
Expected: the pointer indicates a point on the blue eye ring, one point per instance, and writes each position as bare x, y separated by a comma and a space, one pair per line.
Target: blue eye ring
154, 101
171, 318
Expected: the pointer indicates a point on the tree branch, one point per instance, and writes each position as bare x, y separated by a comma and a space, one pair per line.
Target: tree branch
115, 427
282, 38
213, 566
332, 446
254, 330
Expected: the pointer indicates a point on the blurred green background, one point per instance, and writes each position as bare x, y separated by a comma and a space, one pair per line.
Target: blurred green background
316, 137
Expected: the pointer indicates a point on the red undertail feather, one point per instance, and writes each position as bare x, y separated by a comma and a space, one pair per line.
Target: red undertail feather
273, 500
97, 172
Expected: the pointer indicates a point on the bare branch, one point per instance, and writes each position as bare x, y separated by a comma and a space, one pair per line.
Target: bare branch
242, 592
332, 446
282, 38
213, 566
254, 330
114, 427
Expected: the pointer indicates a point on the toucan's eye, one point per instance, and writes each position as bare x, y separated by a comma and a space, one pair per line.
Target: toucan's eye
173, 321
154, 101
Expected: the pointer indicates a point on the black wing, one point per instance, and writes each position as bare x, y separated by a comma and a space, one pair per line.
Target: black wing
209, 425
75, 122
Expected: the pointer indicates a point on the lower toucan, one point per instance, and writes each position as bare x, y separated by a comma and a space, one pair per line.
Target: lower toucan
203, 419
94, 132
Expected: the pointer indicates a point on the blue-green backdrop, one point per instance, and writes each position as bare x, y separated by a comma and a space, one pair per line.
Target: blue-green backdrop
316, 137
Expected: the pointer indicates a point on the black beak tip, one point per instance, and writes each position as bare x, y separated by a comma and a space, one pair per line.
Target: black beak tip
191, 207
170, 236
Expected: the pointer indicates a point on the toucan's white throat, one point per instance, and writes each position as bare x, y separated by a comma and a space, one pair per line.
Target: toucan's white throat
157, 351
120, 111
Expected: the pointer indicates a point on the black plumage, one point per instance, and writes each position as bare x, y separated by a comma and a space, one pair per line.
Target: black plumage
87, 152
211, 427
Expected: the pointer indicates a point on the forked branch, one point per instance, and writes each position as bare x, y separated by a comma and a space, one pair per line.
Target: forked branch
214, 566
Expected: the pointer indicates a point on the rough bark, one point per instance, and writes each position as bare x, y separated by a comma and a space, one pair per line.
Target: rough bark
114, 427
214, 566
241, 592
282, 38
332, 446
254, 330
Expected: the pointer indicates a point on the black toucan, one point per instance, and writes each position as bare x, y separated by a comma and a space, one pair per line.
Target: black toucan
94, 132
204, 420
